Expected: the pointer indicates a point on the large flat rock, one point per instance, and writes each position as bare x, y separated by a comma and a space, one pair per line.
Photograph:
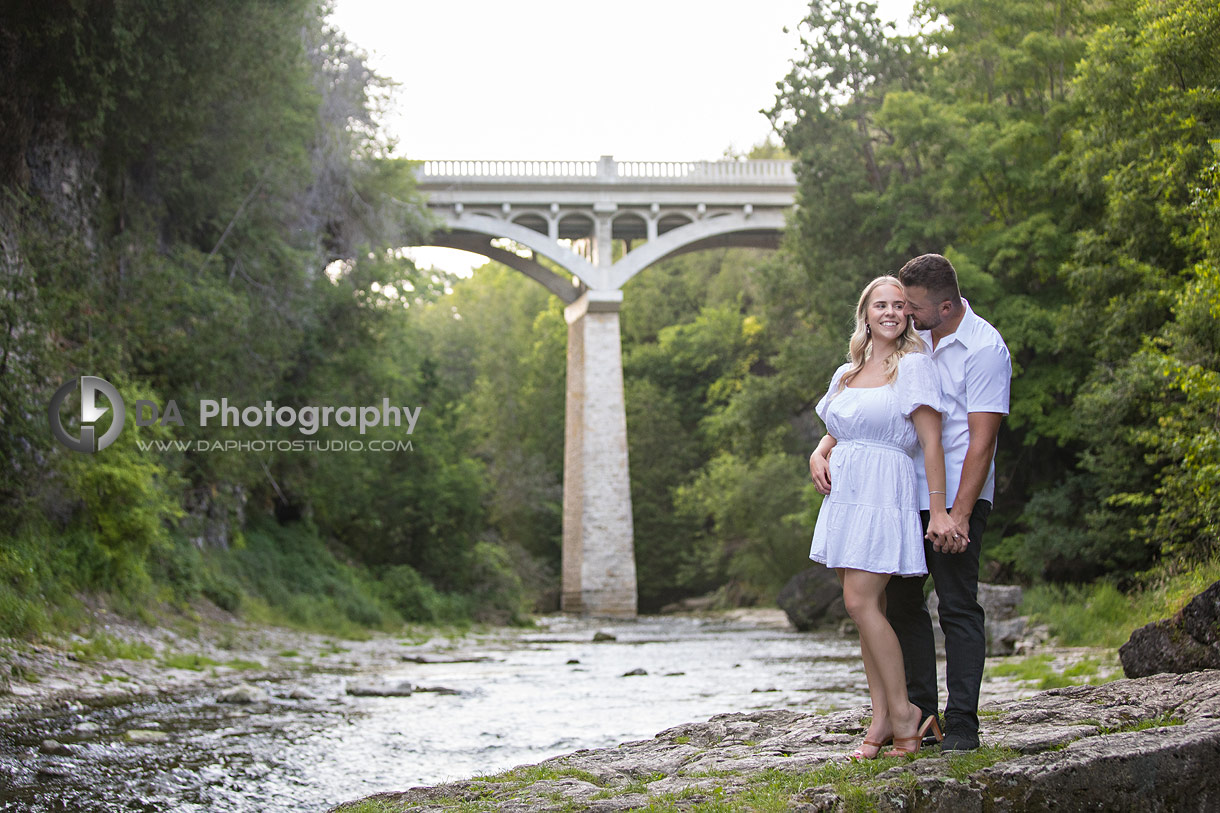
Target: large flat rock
1148, 744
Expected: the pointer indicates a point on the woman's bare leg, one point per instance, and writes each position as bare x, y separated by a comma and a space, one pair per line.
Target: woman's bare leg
864, 597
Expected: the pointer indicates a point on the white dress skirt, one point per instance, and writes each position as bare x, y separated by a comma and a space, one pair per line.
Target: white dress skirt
870, 519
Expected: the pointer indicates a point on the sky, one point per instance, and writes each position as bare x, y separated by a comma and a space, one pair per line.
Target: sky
642, 80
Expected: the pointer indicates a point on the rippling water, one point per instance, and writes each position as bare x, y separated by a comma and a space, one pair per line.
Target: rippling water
539, 693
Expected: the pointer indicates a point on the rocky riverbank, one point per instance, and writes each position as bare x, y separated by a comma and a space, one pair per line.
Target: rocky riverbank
206, 651
1146, 744
276, 719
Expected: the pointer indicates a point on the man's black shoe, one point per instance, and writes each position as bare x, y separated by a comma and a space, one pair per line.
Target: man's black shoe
959, 741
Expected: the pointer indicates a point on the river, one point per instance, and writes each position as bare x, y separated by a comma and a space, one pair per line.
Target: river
521, 696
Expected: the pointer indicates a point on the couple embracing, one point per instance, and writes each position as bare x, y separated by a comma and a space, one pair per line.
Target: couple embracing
907, 467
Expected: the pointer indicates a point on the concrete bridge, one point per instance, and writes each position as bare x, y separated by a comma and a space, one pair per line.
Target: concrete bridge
544, 218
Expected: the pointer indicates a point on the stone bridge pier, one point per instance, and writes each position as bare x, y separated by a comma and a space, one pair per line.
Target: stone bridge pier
558, 222
598, 550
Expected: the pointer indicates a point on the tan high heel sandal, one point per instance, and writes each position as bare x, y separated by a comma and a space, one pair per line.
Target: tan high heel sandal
902, 750
858, 755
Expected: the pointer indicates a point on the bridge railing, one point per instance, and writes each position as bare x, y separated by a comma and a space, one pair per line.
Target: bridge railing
773, 171
507, 169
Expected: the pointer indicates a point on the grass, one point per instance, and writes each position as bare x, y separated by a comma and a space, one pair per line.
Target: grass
1034, 669
962, 765
178, 660
1040, 670
1160, 721
527, 775
668, 802
106, 647
243, 665
640, 785
371, 806
1099, 615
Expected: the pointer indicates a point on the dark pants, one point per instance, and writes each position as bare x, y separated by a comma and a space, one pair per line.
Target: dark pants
956, 577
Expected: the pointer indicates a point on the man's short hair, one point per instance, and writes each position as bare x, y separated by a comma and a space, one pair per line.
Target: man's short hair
934, 274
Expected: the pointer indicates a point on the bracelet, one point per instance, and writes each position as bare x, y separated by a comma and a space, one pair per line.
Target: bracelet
930, 493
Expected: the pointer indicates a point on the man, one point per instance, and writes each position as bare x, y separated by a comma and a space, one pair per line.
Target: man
975, 370
975, 373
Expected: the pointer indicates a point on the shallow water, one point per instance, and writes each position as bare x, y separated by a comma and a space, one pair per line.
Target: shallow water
537, 694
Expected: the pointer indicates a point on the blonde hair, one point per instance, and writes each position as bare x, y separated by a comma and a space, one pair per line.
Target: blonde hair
860, 348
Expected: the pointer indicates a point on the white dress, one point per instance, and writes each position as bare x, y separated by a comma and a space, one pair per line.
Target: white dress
870, 519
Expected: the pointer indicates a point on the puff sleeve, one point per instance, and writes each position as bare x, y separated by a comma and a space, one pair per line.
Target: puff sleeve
918, 384
824, 404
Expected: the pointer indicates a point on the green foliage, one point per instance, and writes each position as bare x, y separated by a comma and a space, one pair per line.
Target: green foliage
298, 581
38, 578
125, 500
1145, 274
233, 229
175, 244
495, 361
1060, 155
757, 533
1099, 615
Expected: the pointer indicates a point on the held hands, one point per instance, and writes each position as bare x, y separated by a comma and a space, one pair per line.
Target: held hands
819, 470
948, 533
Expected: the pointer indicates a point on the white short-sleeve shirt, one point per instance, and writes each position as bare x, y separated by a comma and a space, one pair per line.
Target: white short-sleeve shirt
975, 376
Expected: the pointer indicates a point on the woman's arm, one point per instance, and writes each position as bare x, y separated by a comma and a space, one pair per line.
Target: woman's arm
819, 464
927, 426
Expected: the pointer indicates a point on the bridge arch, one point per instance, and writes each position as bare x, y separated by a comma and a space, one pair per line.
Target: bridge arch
460, 227
751, 231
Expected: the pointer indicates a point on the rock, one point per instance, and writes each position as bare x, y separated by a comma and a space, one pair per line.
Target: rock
1033, 639
573, 661
436, 690
1004, 628
635, 673
401, 689
144, 735
812, 598
86, 728
695, 604
1003, 635
1148, 744
243, 693
1187, 642
55, 748
56, 770
423, 660
602, 635
301, 694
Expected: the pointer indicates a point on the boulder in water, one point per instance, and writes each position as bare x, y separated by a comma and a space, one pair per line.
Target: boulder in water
812, 598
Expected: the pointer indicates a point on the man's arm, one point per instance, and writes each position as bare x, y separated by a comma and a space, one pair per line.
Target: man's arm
819, 465
984, 427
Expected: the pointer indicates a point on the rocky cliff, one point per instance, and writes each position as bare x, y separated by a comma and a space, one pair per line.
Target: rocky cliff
1147, 744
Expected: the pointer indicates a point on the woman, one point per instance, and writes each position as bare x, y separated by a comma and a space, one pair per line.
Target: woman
881, 407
